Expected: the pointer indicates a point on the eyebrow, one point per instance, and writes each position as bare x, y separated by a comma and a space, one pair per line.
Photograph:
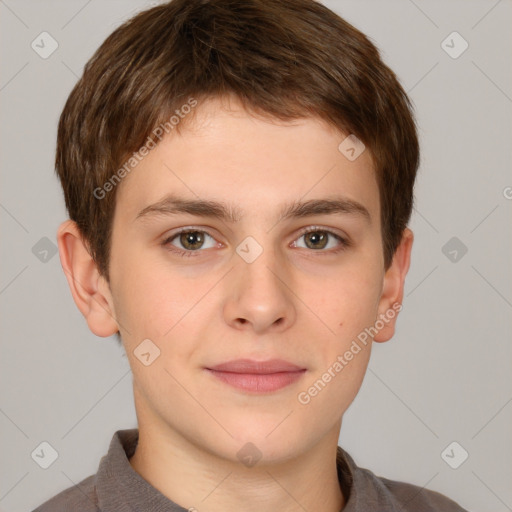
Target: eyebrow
172, 205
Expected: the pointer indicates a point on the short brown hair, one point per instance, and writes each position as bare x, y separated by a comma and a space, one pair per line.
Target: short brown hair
288, 59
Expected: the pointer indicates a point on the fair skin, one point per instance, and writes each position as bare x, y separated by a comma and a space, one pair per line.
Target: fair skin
298, 300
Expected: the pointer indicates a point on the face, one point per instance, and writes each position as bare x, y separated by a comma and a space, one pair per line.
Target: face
249, 275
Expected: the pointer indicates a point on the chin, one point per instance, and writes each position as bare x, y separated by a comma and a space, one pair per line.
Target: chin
276, 443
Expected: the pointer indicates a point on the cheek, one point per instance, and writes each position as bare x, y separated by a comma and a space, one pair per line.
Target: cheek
150, 298
158, 302
349, 306
348, 301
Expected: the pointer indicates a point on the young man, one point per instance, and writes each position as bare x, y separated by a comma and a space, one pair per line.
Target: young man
239, 178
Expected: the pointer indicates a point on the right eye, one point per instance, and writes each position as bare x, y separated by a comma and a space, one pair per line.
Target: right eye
189, 240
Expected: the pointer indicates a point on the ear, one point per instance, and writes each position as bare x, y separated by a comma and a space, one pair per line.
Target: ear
90, 290
393, 287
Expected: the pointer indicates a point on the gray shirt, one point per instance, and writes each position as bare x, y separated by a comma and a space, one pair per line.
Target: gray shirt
117, 487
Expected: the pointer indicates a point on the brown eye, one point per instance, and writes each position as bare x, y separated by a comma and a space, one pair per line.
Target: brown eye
191, 240
322, 241
316, 239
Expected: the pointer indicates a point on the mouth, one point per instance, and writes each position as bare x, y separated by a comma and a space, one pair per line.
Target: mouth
257, 376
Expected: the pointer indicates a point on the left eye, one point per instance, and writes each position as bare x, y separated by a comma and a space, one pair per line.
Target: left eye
320, 239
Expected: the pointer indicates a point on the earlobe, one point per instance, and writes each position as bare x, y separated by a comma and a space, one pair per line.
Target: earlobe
393, 288
90, 293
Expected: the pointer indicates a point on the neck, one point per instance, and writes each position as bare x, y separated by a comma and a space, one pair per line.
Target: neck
199, 480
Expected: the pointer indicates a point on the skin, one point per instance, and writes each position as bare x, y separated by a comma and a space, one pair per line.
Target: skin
301, 304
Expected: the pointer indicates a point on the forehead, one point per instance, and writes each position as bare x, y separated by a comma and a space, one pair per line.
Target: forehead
225, 154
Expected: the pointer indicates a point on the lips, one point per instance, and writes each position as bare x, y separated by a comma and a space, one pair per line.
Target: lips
256, 367
257, 376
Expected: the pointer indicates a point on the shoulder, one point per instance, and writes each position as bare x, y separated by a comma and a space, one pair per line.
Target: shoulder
371, 492
411, 498
81, 496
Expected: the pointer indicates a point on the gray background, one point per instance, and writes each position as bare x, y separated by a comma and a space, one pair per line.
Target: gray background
444, 377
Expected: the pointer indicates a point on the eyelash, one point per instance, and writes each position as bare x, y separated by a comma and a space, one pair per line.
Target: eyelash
344, 243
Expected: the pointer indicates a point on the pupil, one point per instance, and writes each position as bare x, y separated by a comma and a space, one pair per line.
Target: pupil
316, 237
192, 239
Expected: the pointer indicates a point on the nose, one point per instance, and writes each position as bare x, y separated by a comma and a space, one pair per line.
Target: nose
259, 297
